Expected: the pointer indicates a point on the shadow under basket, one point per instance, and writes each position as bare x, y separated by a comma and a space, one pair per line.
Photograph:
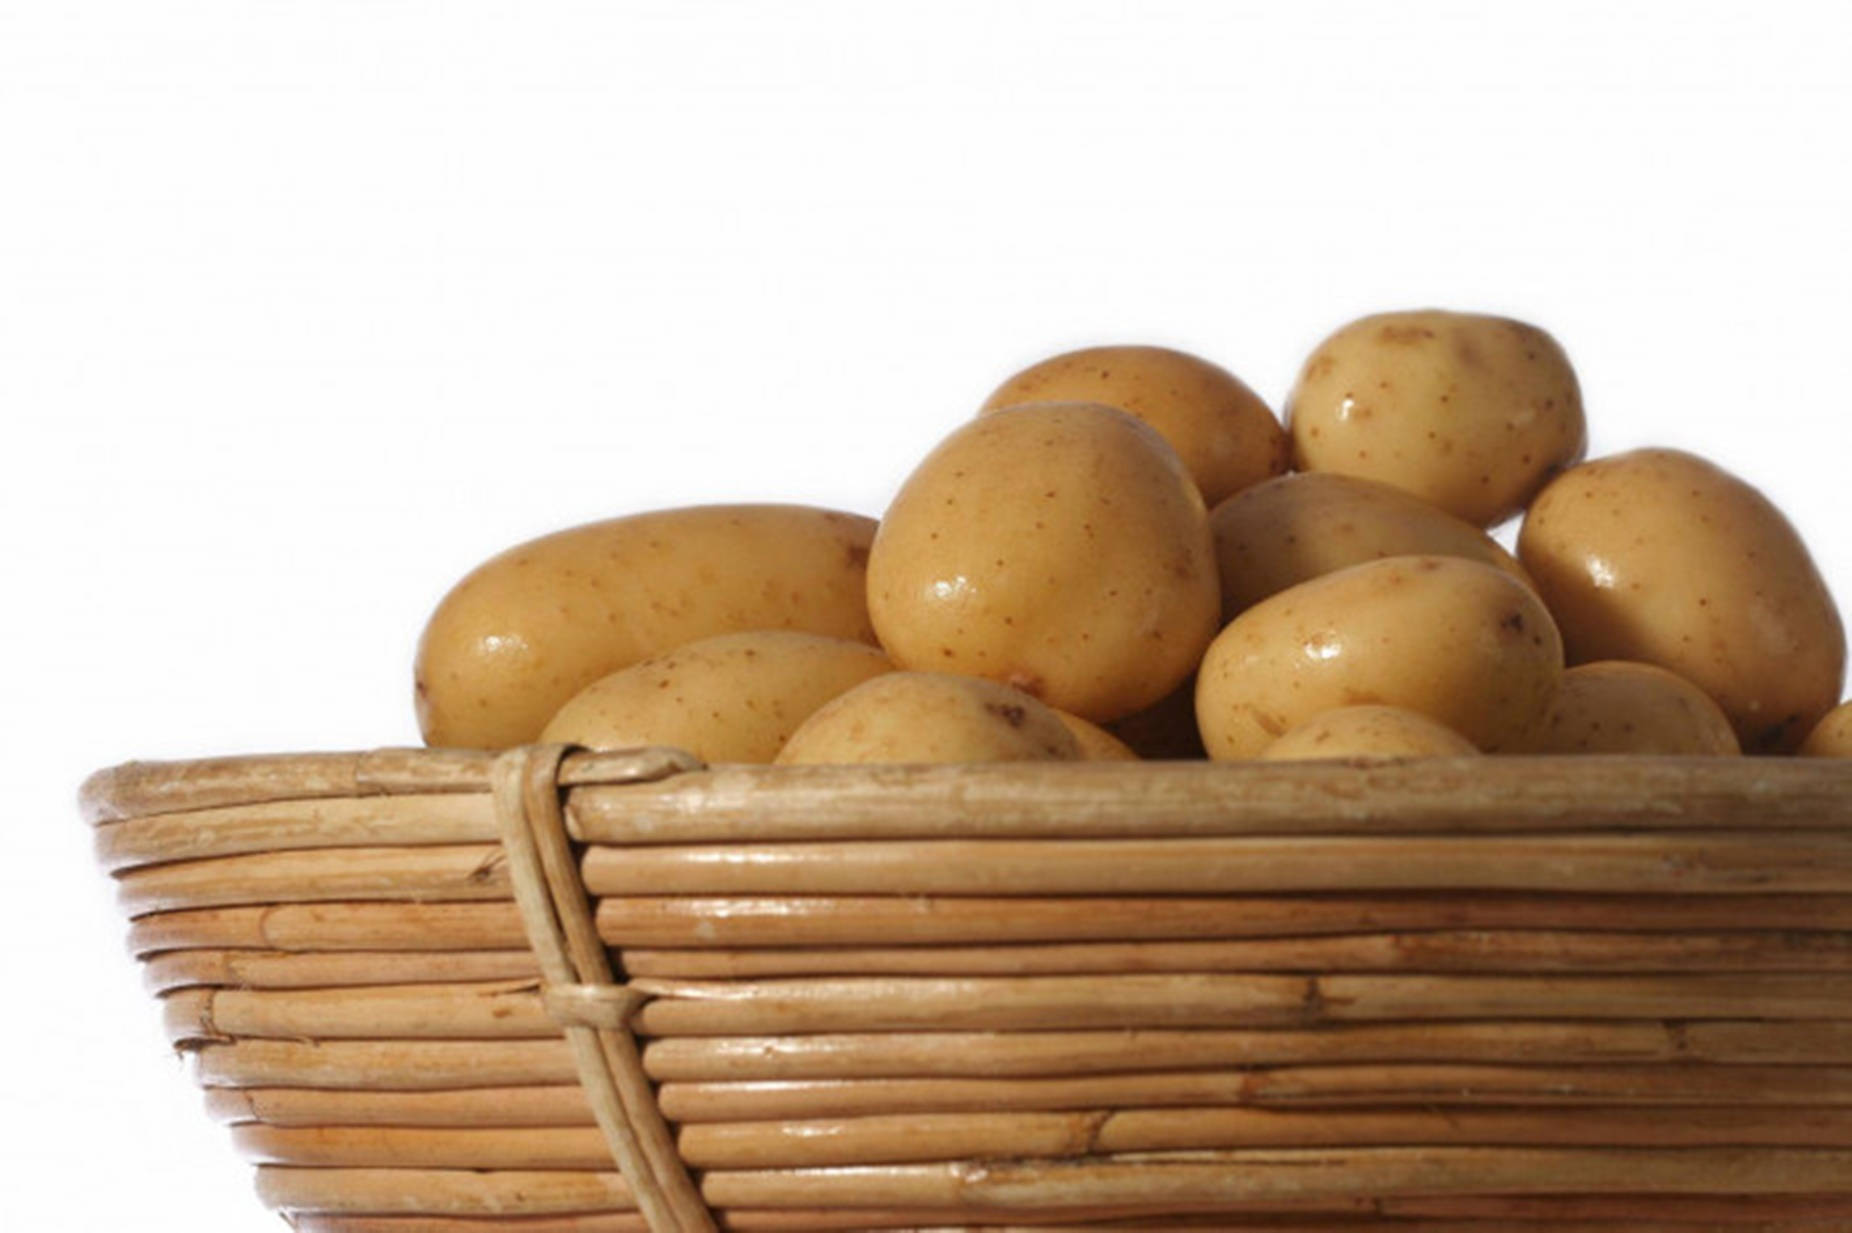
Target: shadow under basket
445, 992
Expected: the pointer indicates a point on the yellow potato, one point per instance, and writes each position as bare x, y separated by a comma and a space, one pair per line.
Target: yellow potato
730, 698
1292, 529
1616, 707
1462, 643
1368, 732
931, 717
1661, 557
1832, 736
1225, 435
1467, 412
1096, 743
530, 628
1058, 548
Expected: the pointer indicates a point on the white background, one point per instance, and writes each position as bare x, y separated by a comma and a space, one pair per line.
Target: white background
306, 307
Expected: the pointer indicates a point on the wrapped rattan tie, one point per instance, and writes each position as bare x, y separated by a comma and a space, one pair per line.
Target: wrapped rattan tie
580, 988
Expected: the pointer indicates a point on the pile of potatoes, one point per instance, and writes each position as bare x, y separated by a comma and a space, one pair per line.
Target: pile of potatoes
1124, 554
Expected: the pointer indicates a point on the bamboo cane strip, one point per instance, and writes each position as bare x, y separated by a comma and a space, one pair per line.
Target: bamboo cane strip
281, 826
1236, 1176
1721, 1220
1593, 1214
1438, 951
472, 872
140, 789
828, 1004
454, 1012
1326, 1087
244, 969
386, 1065
1448, 951
1043, 806
906, 1139
335, 926
1833, 1205
1719, 863
406, 1065
1714, 863
1006, 1003
1028, 1054
673, 921
670, 922
143, 788
758, 804
1322, 1086
919, 1220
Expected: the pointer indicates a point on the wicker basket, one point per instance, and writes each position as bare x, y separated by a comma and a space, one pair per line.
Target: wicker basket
1478, 994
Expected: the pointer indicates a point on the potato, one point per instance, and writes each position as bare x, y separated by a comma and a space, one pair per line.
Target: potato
1616, 707
528, 629
1292, 529
1096, 743
1225, 435
730, 698
931, 717
1467, 412
1832, 736
1058, 548
1661, 557
1368, 732
1462, 643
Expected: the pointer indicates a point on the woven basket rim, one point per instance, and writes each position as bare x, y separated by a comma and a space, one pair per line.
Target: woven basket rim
140, 789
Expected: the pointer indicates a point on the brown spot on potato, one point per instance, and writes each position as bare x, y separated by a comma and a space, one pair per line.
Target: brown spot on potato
1010, 713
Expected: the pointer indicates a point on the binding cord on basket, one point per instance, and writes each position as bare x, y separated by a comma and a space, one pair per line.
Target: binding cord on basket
580, 987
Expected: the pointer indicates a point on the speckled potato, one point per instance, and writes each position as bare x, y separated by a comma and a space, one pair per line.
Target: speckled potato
1096, 743
1468, 412
1662, 557
530, 628
731, 698
1832, 736
931, 717
1465, 644
1058, 548
1616, 707
1297, 527
1368, 732
1226, 436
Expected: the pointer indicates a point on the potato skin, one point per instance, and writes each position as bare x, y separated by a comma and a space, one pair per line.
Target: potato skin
730, 698
1368, 732
1468, 412
528, 629
1295, 528
1662, 557
1058, 548
1617, 707
1096, 743
1226, 436
914, 717
1832, 736
1465, 644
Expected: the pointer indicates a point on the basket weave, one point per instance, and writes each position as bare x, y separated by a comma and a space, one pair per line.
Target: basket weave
1468, 994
